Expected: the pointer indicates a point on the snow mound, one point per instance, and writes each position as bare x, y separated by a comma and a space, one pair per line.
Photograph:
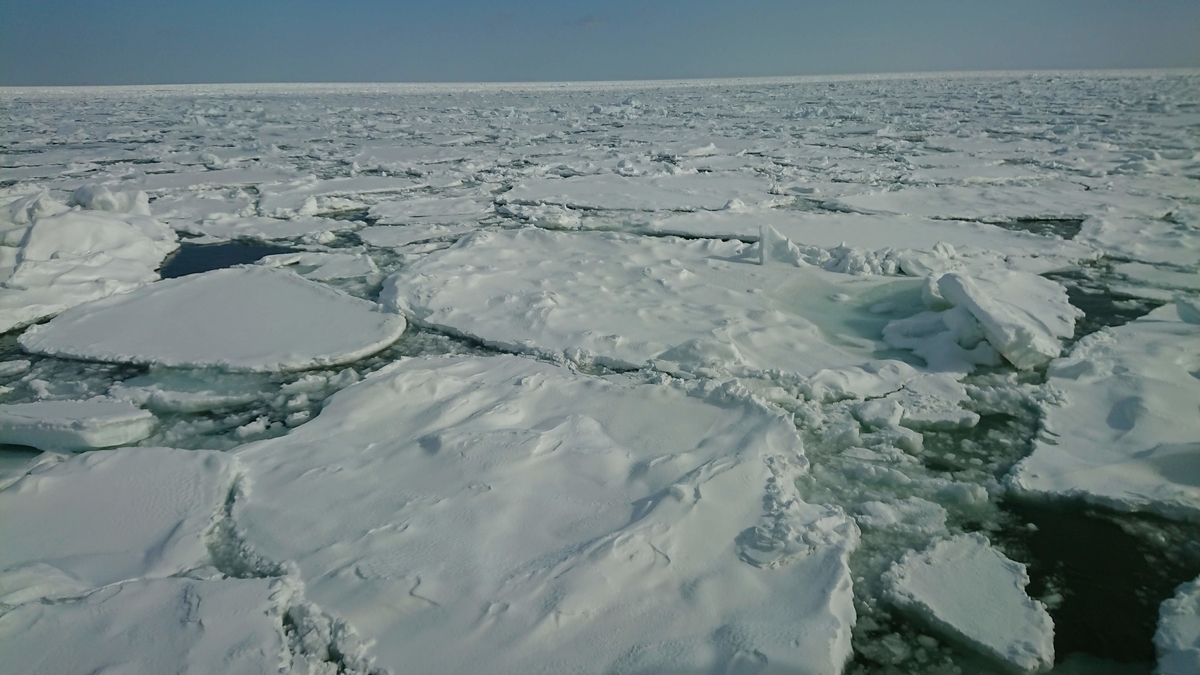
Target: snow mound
1126, 434
249, 318
969, 592
530, 519
74, 425
1178, 635
52, 258
115, 515
624, 301
100, 198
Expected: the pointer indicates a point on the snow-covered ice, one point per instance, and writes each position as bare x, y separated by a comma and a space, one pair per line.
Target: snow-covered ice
251, 318
1126, 433
530, 519
929, 279
73, 425
968, 591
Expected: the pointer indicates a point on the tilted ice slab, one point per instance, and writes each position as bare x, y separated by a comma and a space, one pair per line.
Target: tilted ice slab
74, 425
1058, 199
1126, 435
1178, 637
506, 515
52, 258
972, 594
1020, 250
111, 516
625, 300
250, 318
156, 626
610, 191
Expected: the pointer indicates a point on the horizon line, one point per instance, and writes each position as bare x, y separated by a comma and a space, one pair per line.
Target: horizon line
754, 79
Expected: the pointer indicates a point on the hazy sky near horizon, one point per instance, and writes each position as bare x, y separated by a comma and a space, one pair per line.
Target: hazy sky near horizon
83, 42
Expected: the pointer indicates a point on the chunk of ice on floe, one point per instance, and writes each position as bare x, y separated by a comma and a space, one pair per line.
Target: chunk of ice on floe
1126, 434
625, 300
323, 265
1178, 637
114, 515
64, 258
74, 425
532, 519
250, 318
971, 593
100, 198
155, 626
1023, 316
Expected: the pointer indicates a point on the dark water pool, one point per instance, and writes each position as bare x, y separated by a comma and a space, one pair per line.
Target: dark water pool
197, 258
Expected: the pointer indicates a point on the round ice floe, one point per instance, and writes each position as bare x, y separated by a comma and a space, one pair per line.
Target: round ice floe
243, 318
74, 425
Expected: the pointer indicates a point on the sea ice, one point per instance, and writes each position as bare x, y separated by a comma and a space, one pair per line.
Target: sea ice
73, 425
530, 519
624, 301
250, 318
681, 192
1178, 636
52, 258
1125, 433
971, 593
116, 515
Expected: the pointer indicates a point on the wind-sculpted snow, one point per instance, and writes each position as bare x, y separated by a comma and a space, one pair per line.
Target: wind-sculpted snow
528, 519
929, 279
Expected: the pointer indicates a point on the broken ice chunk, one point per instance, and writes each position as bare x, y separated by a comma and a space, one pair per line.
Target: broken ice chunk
1022, 315
74, 425
971, 593
242, 318
1178, 637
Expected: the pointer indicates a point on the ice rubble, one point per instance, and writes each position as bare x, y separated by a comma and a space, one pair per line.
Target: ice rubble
623, 300
1178, 637
53, 257
534, 520
74, 425
1125, 433
969, 592
250, 318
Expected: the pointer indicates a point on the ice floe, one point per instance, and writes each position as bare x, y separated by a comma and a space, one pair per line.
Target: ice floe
529, 519
1125, 433
251, 318
53, 258
970, 593
73, 425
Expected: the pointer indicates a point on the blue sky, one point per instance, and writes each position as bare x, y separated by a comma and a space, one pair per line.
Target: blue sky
53, 42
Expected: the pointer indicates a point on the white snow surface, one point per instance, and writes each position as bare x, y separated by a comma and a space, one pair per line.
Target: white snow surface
533, 520
1126, 433
971, 593
250, 318
1178, 637
622, 300
73, 425
133, 513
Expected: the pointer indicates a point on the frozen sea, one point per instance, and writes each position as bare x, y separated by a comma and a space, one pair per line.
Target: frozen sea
888, 374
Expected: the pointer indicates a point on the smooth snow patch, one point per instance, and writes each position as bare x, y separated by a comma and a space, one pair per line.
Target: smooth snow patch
529, 519
969, 592
73, 425
115, 515
244, 318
